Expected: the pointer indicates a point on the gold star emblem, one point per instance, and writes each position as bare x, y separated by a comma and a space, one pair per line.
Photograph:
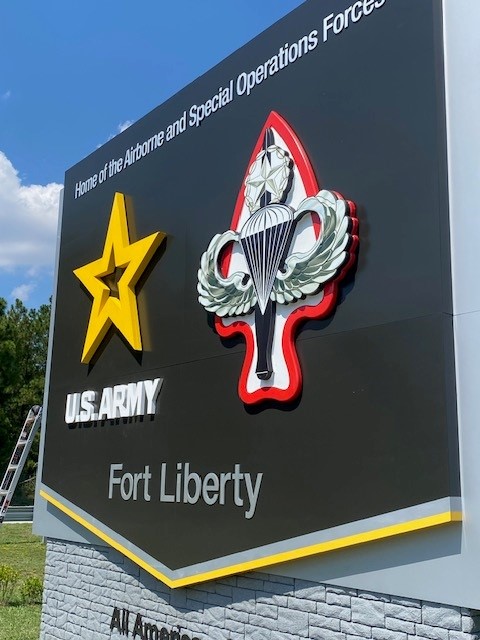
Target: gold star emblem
111, 281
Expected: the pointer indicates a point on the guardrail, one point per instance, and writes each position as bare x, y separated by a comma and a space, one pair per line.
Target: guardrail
19, 514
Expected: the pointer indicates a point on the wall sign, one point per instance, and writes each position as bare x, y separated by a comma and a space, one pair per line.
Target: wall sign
248, 367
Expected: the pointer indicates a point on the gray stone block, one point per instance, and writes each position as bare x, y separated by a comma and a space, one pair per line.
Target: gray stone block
294, 622
223, 589
341, 590
216, 634
266, 623
178, 598
340, 599
301, 604
280, 635
310, 590
197, 595
437, 615
194, 607
243, 600
246, 582
326, 634
279, 588
385, 634
394, 624
368, 612
460, 635
217, 599
126, 578
411, 614
214, 616
356, 629
470, 622
283, 579
271, 598
229, 580
254, 633
232, 625
333, 611
436, 633
323, 622
372, 595
406, 602
238, 616
266, 610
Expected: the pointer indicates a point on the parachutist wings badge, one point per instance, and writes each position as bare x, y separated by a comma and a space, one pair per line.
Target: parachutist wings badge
280, 263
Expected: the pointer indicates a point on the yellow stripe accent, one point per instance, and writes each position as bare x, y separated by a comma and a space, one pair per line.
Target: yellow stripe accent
285, 556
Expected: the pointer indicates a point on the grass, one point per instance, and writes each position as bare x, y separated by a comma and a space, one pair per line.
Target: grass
25, 553
20, 623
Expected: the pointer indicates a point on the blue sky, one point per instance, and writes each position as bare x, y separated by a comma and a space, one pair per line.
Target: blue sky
74, 74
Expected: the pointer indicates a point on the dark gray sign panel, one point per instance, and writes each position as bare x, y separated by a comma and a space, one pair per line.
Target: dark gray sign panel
163, 438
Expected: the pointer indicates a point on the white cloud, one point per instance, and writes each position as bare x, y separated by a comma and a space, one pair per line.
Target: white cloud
28, 220
22, 292
5, 96
124, 125
33, 272
120, 129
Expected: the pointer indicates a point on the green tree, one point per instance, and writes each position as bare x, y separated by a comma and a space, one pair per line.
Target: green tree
23, 355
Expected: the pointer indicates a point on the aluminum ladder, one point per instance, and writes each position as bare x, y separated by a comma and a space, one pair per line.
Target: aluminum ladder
18, 459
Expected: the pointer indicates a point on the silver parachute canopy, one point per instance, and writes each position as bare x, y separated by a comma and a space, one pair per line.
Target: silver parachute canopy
265, 238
